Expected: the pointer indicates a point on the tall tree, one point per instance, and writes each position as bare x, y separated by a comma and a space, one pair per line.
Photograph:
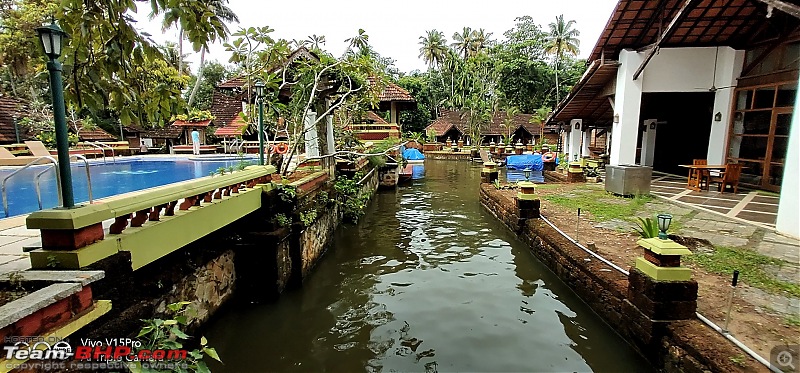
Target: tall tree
480, 40
433, 48
563, 39
213, 73
462, 42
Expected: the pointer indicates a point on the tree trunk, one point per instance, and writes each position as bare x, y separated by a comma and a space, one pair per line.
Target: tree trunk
180, 52
558, 94
199, 78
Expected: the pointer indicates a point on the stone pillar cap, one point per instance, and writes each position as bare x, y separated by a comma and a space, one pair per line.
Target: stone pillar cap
663, 247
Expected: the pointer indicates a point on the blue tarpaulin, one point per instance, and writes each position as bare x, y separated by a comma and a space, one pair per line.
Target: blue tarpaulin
521, 162
412, 154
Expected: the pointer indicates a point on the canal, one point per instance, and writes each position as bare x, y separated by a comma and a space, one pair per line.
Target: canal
427, 281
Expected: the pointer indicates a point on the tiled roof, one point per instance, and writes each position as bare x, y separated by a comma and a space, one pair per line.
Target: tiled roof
183, 123
393, 92
225, 108
11, 108
459, 119
236, 129
95, 134
375, 118
232, 83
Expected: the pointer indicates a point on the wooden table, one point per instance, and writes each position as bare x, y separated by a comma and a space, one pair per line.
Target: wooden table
694, 184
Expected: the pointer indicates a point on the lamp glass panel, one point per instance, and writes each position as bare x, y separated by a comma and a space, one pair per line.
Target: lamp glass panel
48, 47
58, 39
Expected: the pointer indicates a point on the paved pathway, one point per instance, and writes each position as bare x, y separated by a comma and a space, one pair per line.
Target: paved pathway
752, 206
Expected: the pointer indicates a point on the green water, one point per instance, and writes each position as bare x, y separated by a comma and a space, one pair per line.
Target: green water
428, 281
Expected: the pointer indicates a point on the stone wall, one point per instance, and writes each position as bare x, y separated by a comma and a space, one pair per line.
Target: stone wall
315, 239
208, 288
680, 346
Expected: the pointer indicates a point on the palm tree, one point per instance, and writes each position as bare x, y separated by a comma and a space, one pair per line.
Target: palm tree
563, 39
433, 48
220, 13
480, 40
316, 41
462, 42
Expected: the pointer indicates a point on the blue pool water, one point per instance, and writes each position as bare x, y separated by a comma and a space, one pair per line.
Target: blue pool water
107, 180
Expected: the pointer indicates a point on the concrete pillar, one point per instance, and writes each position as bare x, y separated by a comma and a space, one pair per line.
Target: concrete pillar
575, 135
312, 141
587, 140
648, 142
729, 66
628, 99
789, 203
329, 131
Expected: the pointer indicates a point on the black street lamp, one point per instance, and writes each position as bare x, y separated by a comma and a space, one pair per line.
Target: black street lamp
260, 93
52, 38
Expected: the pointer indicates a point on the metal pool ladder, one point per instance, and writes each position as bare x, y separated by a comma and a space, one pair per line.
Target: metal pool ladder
54, 162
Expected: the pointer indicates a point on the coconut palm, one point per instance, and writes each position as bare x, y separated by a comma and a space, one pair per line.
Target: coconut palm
480, 40
463, 42
220, 14
433, 48
563, 39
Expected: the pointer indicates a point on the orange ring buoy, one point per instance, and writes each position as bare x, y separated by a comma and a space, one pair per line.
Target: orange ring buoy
282, 148
548, 157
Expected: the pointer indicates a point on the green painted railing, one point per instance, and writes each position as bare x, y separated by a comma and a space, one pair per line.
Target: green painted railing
178, 214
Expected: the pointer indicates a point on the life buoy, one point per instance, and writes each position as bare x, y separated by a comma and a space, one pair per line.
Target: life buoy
282, 148
548, 157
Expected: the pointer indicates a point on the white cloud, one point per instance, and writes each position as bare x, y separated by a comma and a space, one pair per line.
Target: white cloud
394, 27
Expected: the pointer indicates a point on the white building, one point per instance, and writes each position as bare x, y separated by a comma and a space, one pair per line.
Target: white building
670, 81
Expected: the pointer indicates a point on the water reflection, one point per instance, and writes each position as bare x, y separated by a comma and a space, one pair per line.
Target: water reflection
427, 281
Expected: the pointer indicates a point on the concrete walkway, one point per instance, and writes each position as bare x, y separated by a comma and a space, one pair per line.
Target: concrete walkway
751, 206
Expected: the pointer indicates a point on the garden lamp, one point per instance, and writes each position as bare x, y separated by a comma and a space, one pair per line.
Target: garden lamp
52, 39
527, 173
663, 225
260, 93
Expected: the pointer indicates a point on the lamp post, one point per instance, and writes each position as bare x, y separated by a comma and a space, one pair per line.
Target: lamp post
527, 173
664, 221
260, 92
52, 37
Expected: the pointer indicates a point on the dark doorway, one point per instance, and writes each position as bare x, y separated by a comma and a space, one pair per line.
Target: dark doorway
684, 130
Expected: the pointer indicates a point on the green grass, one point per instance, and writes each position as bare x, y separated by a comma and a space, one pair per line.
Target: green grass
750, 264
604, 206
792, 320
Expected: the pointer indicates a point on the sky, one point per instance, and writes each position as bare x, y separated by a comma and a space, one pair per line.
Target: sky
394, 27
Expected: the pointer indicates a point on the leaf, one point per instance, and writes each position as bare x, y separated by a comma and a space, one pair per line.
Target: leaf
170, 322
203, 341
179, 333
211, 352
202, 367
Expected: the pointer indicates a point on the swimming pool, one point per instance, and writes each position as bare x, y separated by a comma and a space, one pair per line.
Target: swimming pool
126, 175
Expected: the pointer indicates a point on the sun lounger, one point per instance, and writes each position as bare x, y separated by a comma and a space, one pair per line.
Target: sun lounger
8, 159
37, 148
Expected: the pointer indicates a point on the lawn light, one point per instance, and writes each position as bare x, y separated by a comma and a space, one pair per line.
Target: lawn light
527, 173
664, 221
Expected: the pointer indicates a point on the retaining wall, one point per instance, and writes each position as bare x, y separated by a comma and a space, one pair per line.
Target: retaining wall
679, 346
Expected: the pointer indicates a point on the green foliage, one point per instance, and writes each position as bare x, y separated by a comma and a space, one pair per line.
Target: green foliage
647, 228
739, 360
286, 193
308, 217
792, 320
221, 170
417, 119
350, 198
169, 334
194, 116
213, 73
49, 139
750, 264
281, 220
